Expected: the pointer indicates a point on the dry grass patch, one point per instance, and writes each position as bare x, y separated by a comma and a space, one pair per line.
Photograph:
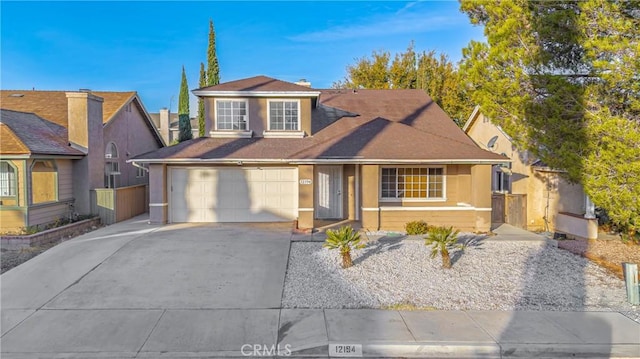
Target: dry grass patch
607, 253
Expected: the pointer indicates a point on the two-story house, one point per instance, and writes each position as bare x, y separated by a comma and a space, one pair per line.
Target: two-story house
58, 146
279, 151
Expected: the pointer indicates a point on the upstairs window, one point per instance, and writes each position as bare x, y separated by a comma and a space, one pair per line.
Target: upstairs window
7, 180
231, 115
412, 183
284, 115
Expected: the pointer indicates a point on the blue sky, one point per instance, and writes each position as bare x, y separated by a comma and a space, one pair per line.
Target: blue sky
141, 46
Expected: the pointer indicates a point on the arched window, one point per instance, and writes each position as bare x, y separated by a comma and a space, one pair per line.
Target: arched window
44, 181
8, 176
111, 165
111, 152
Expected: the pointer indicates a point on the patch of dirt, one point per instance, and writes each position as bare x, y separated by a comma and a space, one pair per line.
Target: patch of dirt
608, 253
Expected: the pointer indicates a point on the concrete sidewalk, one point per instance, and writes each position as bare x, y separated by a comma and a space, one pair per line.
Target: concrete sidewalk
132, 290
176, 333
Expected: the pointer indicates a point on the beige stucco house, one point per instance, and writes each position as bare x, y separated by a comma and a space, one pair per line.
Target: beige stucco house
279, 151
552, 203
57, 146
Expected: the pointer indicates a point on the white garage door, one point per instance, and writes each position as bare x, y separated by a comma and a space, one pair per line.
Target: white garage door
233, 194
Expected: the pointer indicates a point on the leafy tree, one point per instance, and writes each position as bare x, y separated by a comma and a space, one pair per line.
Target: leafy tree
344, 239
408, 70
184, 124
201, 120
562, 79
213, 69
442, 240
403, 73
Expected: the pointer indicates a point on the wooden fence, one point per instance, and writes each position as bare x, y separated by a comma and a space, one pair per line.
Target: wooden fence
117, 204
510, 209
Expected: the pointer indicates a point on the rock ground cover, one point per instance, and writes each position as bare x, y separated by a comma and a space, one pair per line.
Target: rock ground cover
489, 275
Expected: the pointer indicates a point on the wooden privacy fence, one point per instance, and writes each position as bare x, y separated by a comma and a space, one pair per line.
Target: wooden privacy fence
510, 209
117, 204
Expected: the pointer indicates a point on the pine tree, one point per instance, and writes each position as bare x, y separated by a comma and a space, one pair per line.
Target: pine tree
201, 119
562, 79
184, 124
213, 70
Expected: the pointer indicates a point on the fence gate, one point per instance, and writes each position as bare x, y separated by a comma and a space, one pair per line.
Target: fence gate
510, 209
497, 208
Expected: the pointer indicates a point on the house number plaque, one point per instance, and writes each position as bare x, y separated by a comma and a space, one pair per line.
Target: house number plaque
305, 181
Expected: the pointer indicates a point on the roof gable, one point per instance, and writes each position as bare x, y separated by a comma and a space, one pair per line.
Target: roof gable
256, 84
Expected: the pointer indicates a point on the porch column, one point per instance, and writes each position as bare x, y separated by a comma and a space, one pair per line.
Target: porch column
158, 201
370, 206
481, 196
305, 196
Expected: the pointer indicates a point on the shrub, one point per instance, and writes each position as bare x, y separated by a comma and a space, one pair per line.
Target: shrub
416, 227
442, 240
345, 239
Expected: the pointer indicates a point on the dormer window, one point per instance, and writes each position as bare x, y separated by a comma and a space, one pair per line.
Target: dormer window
284, 115
231, 115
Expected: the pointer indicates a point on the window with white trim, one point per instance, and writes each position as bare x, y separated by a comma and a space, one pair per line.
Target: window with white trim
412, 183
231, 115
111, 165
7, 180
141, 172
284, 115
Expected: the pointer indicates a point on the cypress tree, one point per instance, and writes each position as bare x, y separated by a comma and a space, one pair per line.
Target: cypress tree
183, 110
213, 70
201, 120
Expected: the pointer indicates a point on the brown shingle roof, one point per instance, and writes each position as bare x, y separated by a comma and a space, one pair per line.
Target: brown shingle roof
52, 105
257, 83
28, 133
366, 124
10, 144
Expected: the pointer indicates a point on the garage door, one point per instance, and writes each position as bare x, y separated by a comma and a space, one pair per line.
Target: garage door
233, 194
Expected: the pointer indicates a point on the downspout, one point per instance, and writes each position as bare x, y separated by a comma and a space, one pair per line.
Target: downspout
139, 166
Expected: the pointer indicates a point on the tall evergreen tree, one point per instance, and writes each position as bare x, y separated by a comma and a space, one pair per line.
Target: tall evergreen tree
213, 69
184, 124
562, 79
201, 120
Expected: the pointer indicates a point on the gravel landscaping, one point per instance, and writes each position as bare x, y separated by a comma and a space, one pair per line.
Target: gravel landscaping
491, 275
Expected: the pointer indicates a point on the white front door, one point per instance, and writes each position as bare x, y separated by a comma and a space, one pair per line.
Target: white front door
329, 192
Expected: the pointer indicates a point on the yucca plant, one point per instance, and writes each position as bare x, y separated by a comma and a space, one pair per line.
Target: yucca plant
345, 239
442, 240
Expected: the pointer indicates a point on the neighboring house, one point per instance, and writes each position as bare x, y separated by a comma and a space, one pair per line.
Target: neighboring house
552, 203
167, 124
57, 146
278, 151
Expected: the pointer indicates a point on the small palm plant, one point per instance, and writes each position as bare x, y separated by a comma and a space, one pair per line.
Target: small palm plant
442, 240
345, 239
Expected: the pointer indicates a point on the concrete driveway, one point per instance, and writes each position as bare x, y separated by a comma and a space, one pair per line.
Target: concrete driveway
104, 292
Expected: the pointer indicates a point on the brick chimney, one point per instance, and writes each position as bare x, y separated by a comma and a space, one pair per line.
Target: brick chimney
164, 123
86, 134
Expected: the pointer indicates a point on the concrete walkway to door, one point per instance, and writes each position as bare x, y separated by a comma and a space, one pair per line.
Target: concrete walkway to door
133, 290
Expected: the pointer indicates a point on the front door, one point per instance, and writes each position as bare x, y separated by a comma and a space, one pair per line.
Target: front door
329, 192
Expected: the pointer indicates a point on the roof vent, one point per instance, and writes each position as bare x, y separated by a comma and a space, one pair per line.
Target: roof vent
16, 95
303, 82
84, 90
